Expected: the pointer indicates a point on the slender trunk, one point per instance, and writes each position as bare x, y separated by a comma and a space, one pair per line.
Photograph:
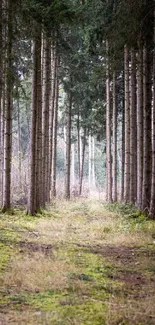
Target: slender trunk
53, 93
123, 150
19, 145
39, 184
79, 151
1, 63
147, 131
114, 140
127, 128
73, 164
55, 129
152, 203
68, 149
32, 188
93, 163
108, 132
8, 113
90, 162
46, 98
139, 125
82, 162
133, 132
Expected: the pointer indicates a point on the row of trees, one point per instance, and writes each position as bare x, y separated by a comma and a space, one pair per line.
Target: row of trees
137, 57
101, 56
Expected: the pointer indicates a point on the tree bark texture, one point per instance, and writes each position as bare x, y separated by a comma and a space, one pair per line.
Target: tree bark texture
114, 140
127, 128
108, 132
133, 131
146, 189
68, 148
8, 112
139, 125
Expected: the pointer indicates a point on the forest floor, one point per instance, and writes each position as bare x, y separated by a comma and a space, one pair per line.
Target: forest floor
79, 263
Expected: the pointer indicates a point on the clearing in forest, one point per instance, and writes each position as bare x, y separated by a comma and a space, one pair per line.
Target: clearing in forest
80, 263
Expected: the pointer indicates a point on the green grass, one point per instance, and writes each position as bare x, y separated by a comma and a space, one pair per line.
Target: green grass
80, 263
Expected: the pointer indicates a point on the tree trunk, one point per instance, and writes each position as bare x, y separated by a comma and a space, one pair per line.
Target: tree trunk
90, 162
46, 101
133, 132
1, 118
152, 203
33, 148
108, 132
19, 144
82, 162
146, 190
93, 162
53, 94
39, 166
55, 129
8, 112
68, 149
127, 128
114, 140
79, 147
123, 149
139, 126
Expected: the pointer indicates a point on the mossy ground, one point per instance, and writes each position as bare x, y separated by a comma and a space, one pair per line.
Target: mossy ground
80, 263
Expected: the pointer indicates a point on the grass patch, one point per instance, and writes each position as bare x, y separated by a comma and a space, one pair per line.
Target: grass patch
80, 263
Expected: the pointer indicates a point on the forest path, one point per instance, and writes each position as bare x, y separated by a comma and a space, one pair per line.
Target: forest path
79, 264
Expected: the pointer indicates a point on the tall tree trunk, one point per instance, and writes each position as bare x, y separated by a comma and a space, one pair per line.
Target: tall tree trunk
93, 163
8, 112
1, 64
53, 94
146, 190
33, 148
73, 163
139, 125
114, 140
68, 149
152, 203
79, 147
19, 144
133, 132
90, 162
123, 148
46, 100
108, 132
82, 162
55, 129
39, 166
127, 128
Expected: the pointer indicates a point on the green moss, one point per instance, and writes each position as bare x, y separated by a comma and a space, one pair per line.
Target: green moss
5, 253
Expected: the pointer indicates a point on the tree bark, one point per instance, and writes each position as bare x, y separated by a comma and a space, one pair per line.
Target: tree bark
127, 128
114, 140
53, 94
146, 189
90, 163
82, 162
68, 149
139, 125
55, 129
33, 147
133, 131
46, 101
108, 132
152, 202
8, 112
